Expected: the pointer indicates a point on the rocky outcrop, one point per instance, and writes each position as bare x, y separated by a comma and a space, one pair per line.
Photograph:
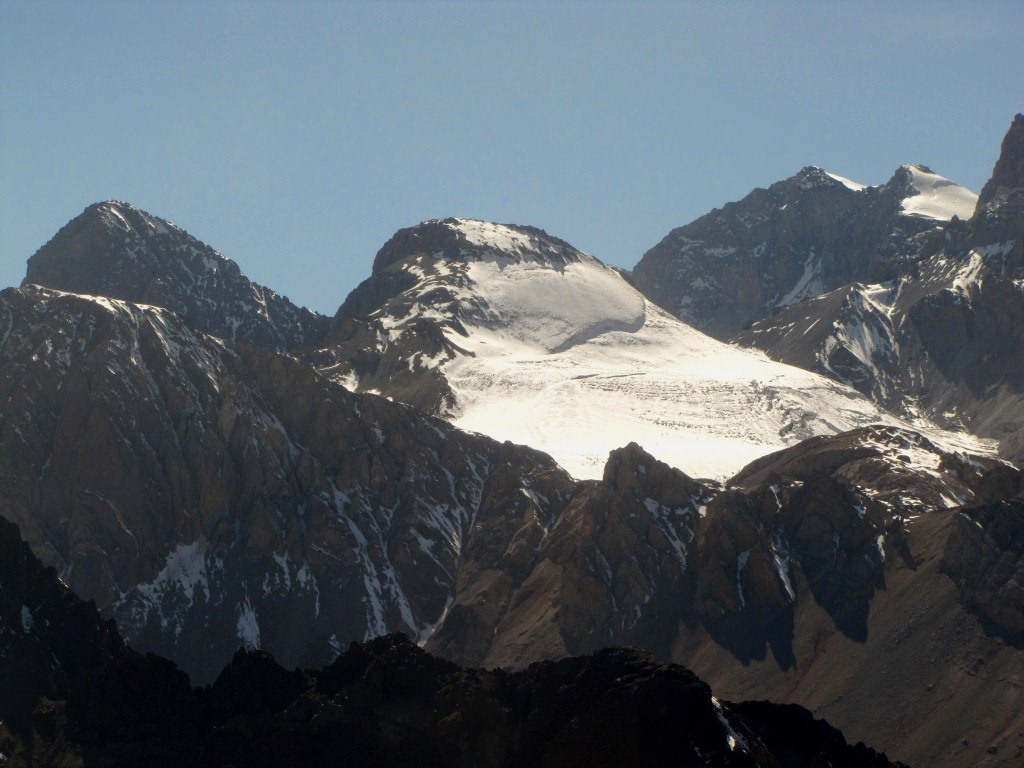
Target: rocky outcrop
801, 237
826, 513
115, 250
984, 556
616, 566
808, 557
648, 556
1000, 212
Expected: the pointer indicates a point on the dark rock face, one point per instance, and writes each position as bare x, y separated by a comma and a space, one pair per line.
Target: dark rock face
46, 634
209, 496
115, 250
82, 697
1000, 211
858, 347
984, 556
817, 735
944, 338
799, 238
831, 510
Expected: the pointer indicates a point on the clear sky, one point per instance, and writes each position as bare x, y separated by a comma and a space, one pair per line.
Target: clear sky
296, 137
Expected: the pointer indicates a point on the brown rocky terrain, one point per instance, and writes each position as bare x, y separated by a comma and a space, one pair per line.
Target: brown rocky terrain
817, 576
931, 680
614, 567
904, 642
209, 496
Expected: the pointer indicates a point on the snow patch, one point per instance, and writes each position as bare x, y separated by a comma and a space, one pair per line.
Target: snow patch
846, 182
576, 363
808, 285
185, 572
248, 626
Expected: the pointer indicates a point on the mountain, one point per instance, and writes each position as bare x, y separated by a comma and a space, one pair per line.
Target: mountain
81, 697
804, 236
816, 576
207, 494
508, 331
1000, 212
113, 249
942, 338
502, 330
211, 489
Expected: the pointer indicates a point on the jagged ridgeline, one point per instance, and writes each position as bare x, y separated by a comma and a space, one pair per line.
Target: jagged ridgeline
75, 694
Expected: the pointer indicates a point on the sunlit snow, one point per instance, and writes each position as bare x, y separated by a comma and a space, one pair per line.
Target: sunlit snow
937, 198
846, 182
570, 359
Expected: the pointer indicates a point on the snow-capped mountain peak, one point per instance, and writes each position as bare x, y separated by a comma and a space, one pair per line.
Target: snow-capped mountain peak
511, 240
931, 196
462, 240
125, 217
812, 176
564, 355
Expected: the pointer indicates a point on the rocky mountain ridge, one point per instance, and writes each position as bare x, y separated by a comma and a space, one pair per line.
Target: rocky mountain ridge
1000, 210
82, 697
942, 339
208, 494
114, 250
800, 237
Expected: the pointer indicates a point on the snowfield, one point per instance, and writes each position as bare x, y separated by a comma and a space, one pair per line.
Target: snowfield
937, 197
567, 357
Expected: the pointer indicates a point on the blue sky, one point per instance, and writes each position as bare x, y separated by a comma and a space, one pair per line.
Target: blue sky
297, 137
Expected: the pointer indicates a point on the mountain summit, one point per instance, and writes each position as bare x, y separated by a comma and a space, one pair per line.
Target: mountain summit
1000, 211
513, 333
800, 237
943, 336
115, 250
